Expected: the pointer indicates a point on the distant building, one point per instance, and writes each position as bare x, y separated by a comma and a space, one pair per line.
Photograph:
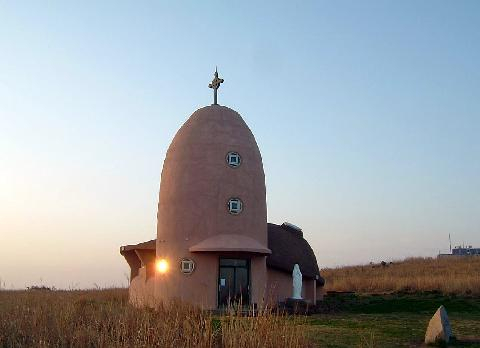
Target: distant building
463, 251
213, 244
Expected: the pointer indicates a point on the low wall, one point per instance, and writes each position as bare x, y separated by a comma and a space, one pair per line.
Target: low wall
141, 291
279, 287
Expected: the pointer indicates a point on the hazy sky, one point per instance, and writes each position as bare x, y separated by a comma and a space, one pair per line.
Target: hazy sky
367, 115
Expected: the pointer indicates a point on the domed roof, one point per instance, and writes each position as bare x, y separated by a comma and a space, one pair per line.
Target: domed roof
214, 124
197, 181
288, 248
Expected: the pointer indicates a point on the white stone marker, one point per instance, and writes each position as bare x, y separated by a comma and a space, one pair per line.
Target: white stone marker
439, 329
297, 282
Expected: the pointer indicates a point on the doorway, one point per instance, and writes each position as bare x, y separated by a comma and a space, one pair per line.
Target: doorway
234, 282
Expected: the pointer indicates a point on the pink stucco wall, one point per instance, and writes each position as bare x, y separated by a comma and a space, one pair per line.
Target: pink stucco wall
141, 290
195, 187
280, 287
201, 287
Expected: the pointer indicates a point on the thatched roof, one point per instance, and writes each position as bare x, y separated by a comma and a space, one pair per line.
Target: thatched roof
150, 245
288, 248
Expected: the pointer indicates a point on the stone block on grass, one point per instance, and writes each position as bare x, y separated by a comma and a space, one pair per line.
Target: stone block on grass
439, 330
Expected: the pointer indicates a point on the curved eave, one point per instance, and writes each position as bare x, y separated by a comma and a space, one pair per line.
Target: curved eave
149, 245
230, 243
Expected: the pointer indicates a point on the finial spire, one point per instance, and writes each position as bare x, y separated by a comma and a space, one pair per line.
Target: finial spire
215, 85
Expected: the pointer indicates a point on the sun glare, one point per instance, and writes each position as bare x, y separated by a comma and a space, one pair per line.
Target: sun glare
162, 265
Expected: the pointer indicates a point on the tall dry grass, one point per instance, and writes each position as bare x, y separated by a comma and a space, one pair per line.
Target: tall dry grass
450, 275
265, 329
103, 318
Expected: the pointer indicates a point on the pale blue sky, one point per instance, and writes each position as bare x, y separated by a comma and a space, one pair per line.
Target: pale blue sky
367, 115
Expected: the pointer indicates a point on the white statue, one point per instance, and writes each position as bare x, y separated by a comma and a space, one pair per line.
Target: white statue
297, 282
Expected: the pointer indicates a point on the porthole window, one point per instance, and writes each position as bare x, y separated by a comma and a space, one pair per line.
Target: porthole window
233, 159
187, 266
235, 206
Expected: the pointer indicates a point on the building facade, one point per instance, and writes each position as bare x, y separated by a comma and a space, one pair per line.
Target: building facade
213, 244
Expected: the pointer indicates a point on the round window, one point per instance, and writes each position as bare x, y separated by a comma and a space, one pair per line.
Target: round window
233, 159
235, 206
187, 266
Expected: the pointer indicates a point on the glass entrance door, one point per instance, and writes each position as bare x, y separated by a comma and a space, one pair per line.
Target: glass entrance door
234, 282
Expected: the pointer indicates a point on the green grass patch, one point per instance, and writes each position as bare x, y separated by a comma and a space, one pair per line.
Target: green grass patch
393, 303
396, 320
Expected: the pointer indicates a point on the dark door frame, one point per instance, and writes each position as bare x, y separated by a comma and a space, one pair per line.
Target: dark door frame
247, 267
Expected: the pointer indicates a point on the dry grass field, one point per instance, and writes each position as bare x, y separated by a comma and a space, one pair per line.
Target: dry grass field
103, 318
411, 291
449, 275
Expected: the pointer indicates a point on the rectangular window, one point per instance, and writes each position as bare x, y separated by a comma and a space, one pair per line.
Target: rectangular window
233, 262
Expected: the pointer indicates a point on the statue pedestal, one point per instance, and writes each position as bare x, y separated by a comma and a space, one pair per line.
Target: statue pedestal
296, 306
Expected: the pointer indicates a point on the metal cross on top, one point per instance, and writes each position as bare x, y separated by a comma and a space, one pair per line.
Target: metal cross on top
215, 85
